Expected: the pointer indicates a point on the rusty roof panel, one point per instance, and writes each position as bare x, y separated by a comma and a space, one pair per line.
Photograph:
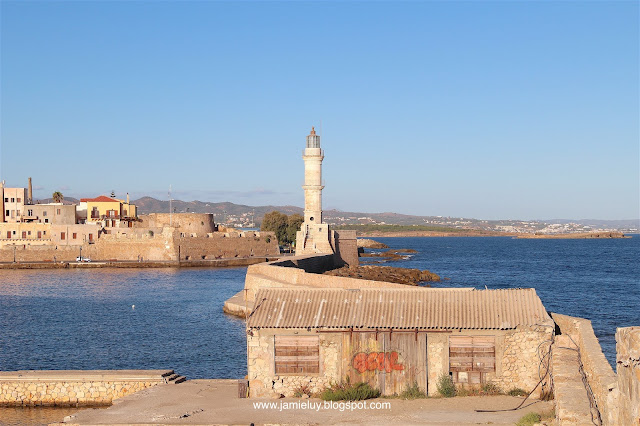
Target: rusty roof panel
397, 308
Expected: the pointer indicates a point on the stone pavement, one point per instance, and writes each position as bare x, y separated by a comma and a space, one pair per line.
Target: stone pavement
216, 402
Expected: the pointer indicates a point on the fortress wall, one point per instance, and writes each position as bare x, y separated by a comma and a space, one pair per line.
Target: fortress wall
74, 387
39, 253
157, 248
628, 367
217, 246
346, 246
600, 375
188, 223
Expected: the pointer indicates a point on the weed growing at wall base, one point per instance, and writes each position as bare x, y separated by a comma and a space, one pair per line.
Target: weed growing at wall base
445, 386
349, 392
413, 391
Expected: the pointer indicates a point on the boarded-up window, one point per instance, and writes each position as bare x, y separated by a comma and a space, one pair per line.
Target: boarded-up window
297, 354
471, 357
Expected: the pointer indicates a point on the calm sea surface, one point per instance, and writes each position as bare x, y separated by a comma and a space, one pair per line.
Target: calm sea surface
86, 319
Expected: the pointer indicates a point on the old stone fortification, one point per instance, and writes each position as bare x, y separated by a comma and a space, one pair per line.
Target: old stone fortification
628, 367
187, 223
74, 388
152, 244
614, 395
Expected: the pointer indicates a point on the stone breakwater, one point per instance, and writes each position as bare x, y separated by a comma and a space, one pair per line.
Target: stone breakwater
75, 387
385, 273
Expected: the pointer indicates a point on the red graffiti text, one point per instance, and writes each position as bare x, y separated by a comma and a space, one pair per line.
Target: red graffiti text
381, 361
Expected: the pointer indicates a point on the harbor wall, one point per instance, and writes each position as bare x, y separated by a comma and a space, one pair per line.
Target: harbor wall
75, 387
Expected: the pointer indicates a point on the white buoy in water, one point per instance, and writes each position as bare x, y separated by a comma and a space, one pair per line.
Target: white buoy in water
133, 306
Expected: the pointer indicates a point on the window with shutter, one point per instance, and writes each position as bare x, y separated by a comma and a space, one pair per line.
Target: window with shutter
297, 355
471, 357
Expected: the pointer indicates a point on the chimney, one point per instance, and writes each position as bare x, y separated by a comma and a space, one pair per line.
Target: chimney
127, 198
30, 193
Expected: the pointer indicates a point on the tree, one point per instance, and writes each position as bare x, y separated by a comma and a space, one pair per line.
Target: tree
275, 222
57, 197
293, 226
285, 227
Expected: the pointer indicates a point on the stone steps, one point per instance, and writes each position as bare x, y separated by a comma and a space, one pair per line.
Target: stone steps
173, 378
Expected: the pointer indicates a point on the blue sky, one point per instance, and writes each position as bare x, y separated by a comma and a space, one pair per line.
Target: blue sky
490, 110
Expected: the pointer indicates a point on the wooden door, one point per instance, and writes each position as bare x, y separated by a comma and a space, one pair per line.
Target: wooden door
388, 361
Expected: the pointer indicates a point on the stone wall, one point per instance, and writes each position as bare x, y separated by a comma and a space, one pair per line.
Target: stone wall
74, 388
164, 244
600, 375
628, 369
346, 246
437, 360
263, 382
520, 357
216, 245
289, 273
187, 223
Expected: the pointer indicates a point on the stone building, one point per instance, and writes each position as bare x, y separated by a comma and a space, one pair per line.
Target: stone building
393, 338
315, 236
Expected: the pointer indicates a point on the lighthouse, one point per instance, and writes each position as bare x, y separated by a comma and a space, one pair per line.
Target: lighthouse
314, 235
313, 157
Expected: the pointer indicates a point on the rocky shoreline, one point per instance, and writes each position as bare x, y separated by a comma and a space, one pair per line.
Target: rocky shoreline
386, 273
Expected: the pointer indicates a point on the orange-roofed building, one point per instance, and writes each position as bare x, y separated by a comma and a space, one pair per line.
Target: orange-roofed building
103, 207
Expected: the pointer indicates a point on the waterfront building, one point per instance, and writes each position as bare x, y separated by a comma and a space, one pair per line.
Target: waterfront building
395, 338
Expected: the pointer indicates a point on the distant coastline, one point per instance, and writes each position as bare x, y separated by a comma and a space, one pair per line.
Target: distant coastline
582, 235
461, 233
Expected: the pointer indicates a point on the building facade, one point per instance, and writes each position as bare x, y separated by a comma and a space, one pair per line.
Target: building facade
394, 338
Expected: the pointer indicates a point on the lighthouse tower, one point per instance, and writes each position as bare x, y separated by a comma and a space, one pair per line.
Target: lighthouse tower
313, 157
314, 235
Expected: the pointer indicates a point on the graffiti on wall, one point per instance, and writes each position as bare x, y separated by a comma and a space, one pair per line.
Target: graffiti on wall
380, 361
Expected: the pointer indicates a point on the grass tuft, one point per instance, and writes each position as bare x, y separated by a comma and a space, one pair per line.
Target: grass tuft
413, 392
529, 419
517, 392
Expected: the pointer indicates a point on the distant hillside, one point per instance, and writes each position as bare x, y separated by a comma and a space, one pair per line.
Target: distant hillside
148, 205
248, 216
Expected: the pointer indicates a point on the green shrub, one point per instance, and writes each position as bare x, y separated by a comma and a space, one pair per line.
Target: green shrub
529, 419
517, 392
412, 392
490, 388
349, 392
445, 386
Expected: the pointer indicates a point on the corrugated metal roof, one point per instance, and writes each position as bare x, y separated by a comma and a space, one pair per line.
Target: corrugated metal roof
397, 308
